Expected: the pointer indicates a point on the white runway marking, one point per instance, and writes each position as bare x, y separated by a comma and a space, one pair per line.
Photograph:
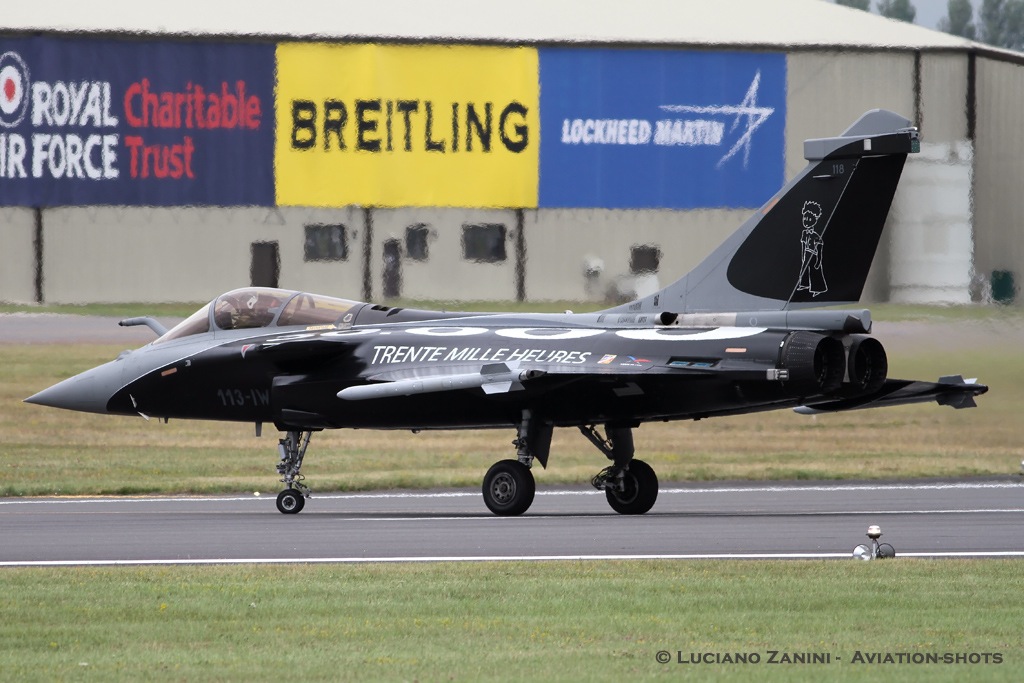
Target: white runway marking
605, 517
499, 558
473, 494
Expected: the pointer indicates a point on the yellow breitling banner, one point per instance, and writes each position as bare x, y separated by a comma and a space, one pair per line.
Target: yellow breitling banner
407, 125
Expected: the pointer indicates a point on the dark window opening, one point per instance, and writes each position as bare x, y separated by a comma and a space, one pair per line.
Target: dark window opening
484, 242
326, 242
392, 269
264, 264
416, 241
644, 258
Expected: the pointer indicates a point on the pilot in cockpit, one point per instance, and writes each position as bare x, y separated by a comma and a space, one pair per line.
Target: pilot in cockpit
246, 310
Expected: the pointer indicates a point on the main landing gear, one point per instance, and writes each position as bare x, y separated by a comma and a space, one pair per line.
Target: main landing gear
630, 485
292, 449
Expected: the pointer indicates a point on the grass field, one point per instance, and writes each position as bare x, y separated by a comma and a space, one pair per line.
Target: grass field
561, 621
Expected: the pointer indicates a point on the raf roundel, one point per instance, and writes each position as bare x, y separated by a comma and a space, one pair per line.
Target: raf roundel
14, 87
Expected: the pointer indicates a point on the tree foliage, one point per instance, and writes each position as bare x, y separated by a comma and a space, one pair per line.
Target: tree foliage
959, 19
856, 4
1001, 23
902, 10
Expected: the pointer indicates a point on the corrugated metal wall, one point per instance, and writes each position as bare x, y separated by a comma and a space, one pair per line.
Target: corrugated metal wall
829, 90
998, 183
943, 97
562, 244
142, 254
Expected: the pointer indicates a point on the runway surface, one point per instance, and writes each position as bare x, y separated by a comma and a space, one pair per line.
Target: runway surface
921, 519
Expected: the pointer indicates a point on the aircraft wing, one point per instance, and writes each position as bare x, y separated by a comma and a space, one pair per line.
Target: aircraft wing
492, 378
952, 391
504, 377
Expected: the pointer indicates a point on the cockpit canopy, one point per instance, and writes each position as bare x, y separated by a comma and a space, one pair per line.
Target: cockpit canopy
257, 307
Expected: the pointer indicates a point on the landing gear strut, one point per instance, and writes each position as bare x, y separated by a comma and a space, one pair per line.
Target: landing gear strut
292, 449
509, 485
630, 485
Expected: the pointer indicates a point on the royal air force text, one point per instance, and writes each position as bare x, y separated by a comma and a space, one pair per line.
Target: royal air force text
52, 151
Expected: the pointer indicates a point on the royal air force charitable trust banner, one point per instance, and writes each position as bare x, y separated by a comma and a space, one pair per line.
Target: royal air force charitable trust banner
309, 124
135, 122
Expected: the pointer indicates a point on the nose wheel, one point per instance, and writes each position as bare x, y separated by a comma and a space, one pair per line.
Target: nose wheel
290, 501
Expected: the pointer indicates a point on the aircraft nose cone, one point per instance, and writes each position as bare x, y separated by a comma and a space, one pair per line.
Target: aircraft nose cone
87, 392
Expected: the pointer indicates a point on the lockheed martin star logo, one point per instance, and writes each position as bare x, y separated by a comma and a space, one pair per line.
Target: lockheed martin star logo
746, 112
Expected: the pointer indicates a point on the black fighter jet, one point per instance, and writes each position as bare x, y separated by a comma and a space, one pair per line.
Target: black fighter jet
733, 336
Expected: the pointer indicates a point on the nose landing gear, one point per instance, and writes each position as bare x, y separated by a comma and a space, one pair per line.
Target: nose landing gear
292, 449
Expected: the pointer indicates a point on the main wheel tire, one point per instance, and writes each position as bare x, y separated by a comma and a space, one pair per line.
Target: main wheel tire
290, 502
641, 490
508, 488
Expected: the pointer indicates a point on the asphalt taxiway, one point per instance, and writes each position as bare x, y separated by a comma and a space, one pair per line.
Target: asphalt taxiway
748, 520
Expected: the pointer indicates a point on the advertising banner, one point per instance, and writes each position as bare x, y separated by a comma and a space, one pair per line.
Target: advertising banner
407, 125
135, 123
673, 129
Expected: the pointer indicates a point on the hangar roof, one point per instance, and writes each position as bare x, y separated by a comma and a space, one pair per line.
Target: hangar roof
775, 24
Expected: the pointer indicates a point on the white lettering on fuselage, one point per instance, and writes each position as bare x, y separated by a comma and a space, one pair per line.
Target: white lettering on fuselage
397, 353
388, 355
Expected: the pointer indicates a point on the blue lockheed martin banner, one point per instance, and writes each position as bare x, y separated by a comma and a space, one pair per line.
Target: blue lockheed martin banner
135, 123
657, 128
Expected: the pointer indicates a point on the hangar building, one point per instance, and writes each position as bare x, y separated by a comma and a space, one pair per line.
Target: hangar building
447, 151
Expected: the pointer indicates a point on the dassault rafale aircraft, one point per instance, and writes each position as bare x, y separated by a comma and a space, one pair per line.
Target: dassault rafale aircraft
733, 336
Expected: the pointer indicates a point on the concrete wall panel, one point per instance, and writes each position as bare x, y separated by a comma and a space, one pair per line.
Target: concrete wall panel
110, 254
17, 255
445, 275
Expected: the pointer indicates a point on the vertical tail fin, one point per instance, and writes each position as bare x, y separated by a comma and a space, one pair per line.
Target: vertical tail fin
813, 243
